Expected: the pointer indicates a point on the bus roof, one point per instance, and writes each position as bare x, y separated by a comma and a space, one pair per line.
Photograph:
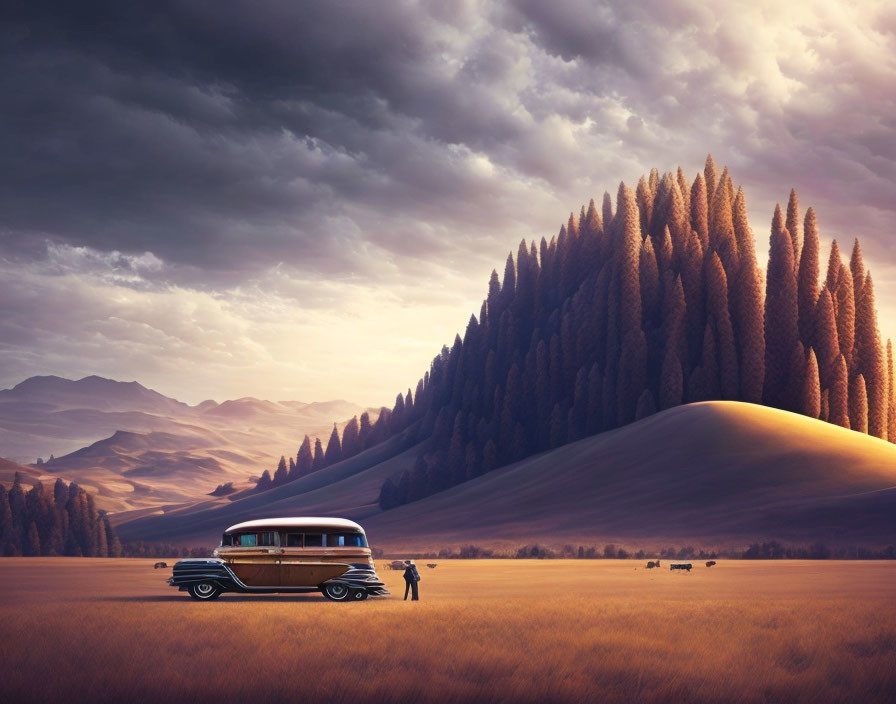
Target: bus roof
297, 522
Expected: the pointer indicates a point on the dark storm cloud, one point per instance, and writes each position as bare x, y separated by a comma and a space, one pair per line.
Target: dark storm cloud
229, 134
230, 159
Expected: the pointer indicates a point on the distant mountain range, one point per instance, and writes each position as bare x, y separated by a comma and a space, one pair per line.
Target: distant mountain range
136, 448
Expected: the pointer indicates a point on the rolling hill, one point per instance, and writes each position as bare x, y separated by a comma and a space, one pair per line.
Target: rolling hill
712, 473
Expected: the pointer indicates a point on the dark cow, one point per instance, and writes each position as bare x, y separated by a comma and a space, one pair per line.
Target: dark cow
651, 565
682, 566
710, 563
159, 565
432, 565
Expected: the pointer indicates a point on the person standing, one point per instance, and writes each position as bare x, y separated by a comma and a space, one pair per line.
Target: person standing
411, 577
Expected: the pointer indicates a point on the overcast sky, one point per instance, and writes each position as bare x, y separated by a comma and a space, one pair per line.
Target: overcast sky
304, 200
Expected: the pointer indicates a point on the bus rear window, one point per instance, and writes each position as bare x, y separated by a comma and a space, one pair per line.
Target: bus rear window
346, 540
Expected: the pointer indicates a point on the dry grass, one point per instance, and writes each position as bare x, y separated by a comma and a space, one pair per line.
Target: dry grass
486, 631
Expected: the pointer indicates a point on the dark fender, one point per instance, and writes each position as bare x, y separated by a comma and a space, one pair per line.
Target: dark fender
361, 578
198, 570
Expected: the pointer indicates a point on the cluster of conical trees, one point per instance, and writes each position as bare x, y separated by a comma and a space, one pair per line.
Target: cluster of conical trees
357, 436
639, 308
646, 306
62, 522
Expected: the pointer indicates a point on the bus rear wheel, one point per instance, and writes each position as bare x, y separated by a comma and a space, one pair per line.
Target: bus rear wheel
336, 592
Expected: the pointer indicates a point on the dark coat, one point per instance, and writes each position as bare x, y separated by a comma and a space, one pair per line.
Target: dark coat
411, 574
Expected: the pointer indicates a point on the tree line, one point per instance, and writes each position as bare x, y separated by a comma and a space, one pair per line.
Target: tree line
63, 521
632, 309
358, 435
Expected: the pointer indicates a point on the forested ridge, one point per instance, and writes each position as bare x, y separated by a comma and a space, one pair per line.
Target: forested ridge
63, 521
632, 309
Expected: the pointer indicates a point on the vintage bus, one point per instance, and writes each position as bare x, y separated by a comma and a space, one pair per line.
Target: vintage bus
329, 555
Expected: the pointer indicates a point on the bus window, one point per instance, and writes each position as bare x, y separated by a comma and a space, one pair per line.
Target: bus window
346, 540
251, 540
267, 539
314, 540
293, 540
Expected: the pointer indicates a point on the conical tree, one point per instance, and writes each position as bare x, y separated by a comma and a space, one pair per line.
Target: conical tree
781, 334
683, 189
845, 309
811, 405
281, 473
857, 269
839, 394
709, 173
318, 462
869, 360
824, 333
722, 237
607, 211
633, 353
304, 458
674, 318
793, 226
265, 482
750, 329
807, 279
700, 210
351, 434
334, 447
717, 308
644, 198
746, 247
858, 404
835, 261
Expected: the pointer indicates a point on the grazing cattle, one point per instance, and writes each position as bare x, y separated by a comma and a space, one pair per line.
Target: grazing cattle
396, 565
651, 565
159, 565
681, 566
431, 565
710, 563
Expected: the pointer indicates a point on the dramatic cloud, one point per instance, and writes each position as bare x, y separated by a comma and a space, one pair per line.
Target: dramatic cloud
306, 199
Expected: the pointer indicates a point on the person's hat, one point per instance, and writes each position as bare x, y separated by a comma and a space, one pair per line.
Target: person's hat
407, 562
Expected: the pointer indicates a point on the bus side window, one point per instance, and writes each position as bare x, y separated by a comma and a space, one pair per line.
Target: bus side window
294, 540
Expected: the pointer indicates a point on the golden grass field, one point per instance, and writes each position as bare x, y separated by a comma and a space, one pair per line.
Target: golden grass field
96, 630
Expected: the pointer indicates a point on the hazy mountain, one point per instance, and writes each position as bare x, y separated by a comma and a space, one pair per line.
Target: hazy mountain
93, 392
133, 447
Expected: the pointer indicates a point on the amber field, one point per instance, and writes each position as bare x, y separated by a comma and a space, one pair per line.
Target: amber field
74, 630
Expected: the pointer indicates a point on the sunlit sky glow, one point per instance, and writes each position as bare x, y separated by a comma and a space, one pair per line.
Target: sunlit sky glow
305, 200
